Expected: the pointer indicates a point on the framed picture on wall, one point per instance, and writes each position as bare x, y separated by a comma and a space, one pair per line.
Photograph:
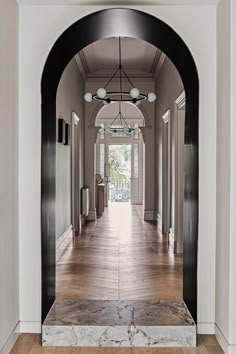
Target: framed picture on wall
67, 134
61, 136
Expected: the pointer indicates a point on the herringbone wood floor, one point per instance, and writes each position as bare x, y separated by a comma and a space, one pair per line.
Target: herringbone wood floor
119, 257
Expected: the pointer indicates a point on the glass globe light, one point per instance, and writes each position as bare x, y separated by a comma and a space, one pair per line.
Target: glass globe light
134, 92
152, 97
88, 97
101, 92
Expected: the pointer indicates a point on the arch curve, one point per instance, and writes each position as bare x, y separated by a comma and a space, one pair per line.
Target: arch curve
100, 106
99, 25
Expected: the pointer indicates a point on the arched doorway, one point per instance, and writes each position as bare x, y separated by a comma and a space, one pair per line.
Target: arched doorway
124, 179
102, 24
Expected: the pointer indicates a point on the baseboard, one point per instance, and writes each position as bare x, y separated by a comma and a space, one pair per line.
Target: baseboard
172, 238
149, 215
227, 348
206, 328
30, 327
159, 222
63, 242
92, 216
232, 349
62, 238
11, 340
82, 220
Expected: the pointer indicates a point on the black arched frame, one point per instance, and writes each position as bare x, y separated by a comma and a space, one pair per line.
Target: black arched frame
96, 26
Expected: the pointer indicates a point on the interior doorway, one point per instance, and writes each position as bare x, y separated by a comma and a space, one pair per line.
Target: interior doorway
121, 167
139, 25
119, 160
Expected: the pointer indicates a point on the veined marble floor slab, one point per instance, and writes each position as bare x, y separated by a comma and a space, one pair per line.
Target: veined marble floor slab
119, 323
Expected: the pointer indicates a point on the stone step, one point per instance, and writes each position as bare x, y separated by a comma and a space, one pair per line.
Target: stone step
114, 323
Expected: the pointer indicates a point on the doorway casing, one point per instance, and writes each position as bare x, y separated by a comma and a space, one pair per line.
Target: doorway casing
99, 25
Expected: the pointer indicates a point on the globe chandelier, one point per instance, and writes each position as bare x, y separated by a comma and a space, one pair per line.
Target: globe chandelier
133, 96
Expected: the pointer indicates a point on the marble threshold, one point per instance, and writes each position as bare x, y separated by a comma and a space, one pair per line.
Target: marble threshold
114, 323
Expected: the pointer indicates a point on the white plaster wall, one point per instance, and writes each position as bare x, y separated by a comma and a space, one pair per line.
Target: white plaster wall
226, 176
40, 26
232, 290
168, 88
9, 294
223, 168
69, 99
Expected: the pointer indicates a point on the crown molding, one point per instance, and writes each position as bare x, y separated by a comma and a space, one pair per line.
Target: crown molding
149, 58
81, 66
159, 65
180, 101
89, 58
166, 117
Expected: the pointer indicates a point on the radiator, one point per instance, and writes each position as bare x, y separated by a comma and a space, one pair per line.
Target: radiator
85, 201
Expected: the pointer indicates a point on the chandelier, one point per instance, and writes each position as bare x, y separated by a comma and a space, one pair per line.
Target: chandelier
106, 96
119, 124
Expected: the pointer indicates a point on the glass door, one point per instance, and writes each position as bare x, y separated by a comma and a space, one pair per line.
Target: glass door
136, 174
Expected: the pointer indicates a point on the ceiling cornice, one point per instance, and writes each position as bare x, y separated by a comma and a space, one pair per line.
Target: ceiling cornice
118, 3
159, 65
81, 65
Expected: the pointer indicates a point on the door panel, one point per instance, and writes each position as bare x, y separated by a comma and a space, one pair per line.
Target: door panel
136, 174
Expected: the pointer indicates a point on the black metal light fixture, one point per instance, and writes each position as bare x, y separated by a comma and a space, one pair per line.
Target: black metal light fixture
119, 124
134, 96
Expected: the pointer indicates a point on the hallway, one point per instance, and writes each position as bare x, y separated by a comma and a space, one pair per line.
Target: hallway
119, 257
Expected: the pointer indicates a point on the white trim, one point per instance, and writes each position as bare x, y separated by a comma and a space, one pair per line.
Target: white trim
172, 238
11, 340
159, 222
231, 349
76, 118
62, 238
166, 116
221, 339
181, 100
205, 328
30, 327
149, 215
159, 65
92, 216
80, 66
227, 348
63, 241
166, 176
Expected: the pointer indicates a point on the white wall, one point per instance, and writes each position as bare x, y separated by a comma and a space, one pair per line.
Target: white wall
168, 88
69, 99
36, 40
9, 295
232, 299
226, 176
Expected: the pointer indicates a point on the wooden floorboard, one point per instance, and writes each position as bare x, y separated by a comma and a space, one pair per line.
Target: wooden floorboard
119, 257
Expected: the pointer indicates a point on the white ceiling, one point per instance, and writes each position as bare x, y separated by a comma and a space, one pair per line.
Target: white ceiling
120, 2
101, 58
